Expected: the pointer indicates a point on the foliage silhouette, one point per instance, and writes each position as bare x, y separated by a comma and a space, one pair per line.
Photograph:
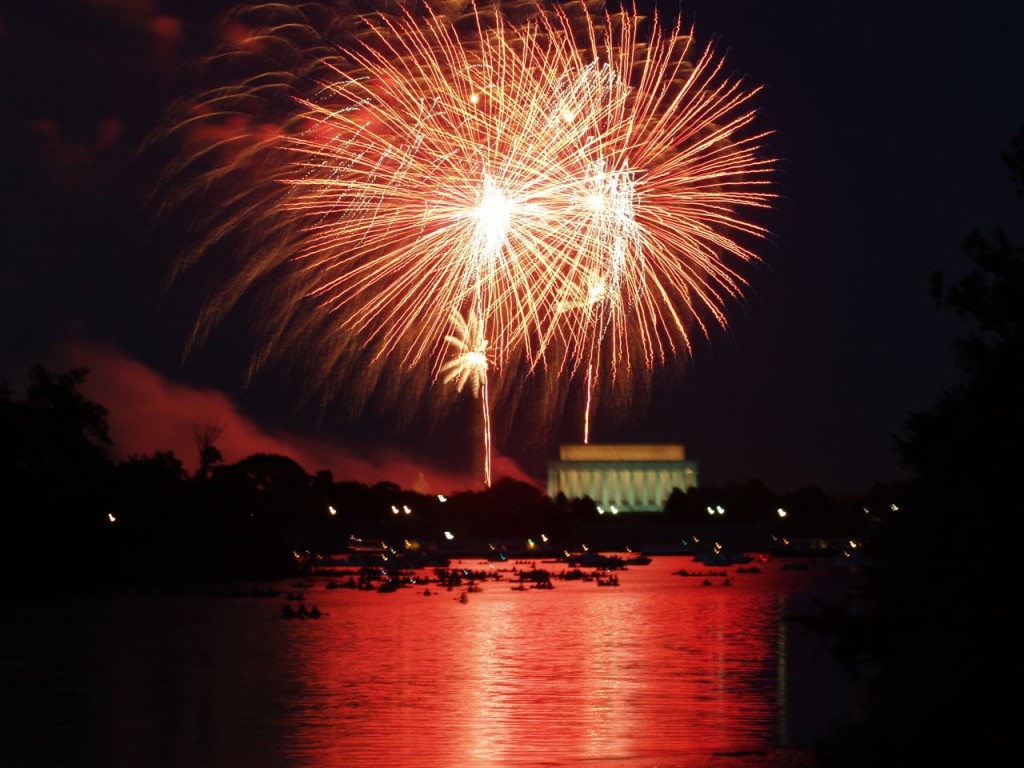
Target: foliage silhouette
941, 627
54, 466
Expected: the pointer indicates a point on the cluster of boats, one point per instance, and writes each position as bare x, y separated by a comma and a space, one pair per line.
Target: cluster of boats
601, 568
600, 560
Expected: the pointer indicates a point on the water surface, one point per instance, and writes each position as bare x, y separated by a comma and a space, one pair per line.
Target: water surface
660, 670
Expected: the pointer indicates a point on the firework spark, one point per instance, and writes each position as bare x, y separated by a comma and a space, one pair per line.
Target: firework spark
571, 185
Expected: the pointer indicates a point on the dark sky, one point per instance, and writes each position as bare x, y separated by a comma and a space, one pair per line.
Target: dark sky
889, 120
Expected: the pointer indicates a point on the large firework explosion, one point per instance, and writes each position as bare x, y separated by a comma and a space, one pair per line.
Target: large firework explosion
503, 194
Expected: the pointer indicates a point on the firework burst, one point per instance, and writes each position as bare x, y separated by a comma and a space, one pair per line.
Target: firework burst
570, 185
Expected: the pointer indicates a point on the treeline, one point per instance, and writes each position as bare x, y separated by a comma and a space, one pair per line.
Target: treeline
940, 637
77, 514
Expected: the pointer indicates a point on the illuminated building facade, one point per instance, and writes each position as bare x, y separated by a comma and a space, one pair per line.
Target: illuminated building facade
622, 478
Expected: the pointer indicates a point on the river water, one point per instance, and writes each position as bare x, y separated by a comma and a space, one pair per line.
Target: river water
658, 671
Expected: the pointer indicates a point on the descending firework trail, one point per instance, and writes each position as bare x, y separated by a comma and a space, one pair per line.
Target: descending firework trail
574, 183
469, 364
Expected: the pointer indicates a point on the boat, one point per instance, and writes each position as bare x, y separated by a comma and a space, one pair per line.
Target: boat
287, 612
719, 556
638, 559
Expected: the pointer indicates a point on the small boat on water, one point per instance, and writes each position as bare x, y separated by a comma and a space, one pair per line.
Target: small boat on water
609, 580
638, 559
287, 612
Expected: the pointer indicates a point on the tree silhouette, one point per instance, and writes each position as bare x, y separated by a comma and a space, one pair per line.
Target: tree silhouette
205, 437
54, 446
942, 629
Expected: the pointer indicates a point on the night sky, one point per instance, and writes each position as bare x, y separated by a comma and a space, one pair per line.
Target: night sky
889, 121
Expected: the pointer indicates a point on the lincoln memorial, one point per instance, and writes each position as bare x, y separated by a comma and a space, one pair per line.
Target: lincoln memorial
622, 478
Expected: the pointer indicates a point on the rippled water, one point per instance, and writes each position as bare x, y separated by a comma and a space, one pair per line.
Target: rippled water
660, 670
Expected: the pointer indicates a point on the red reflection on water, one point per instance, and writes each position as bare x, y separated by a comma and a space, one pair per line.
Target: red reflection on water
659, 668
